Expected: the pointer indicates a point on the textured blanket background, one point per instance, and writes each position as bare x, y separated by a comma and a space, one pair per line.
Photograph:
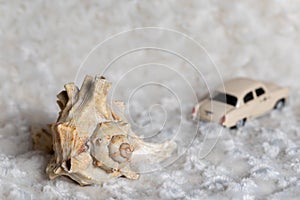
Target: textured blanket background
43, 43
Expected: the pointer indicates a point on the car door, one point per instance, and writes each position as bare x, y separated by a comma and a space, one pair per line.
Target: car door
247, 110
262, 101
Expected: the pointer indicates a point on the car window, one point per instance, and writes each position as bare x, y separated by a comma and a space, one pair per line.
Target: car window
259, 92
248, 97
225, 98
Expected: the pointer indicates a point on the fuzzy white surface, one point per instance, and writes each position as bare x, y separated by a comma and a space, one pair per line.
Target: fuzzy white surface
42, 44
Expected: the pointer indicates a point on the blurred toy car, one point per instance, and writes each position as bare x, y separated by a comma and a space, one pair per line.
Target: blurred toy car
239, 100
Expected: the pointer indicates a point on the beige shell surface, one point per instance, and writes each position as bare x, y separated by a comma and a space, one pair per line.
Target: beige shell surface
93, 142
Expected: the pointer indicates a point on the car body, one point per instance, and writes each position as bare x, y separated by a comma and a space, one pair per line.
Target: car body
239, 100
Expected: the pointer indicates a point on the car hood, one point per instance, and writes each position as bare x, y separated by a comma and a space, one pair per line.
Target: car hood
215, 109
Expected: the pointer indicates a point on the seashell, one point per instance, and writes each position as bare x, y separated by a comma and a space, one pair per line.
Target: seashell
92, 141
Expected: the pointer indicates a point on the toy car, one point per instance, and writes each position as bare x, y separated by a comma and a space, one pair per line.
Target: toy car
239, 100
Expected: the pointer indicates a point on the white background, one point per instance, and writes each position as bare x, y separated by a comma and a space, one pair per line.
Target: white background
43, 43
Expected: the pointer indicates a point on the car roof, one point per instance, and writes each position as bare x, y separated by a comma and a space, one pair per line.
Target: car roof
239, 86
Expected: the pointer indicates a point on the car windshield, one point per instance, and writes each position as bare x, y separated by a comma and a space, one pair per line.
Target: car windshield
225, 98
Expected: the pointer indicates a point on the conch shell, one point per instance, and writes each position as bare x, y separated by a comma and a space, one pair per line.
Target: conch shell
92, 141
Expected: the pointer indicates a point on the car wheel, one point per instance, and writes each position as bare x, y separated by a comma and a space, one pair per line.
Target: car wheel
280, 104
240, 123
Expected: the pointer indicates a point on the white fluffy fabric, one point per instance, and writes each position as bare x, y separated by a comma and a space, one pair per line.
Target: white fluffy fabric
43, 43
